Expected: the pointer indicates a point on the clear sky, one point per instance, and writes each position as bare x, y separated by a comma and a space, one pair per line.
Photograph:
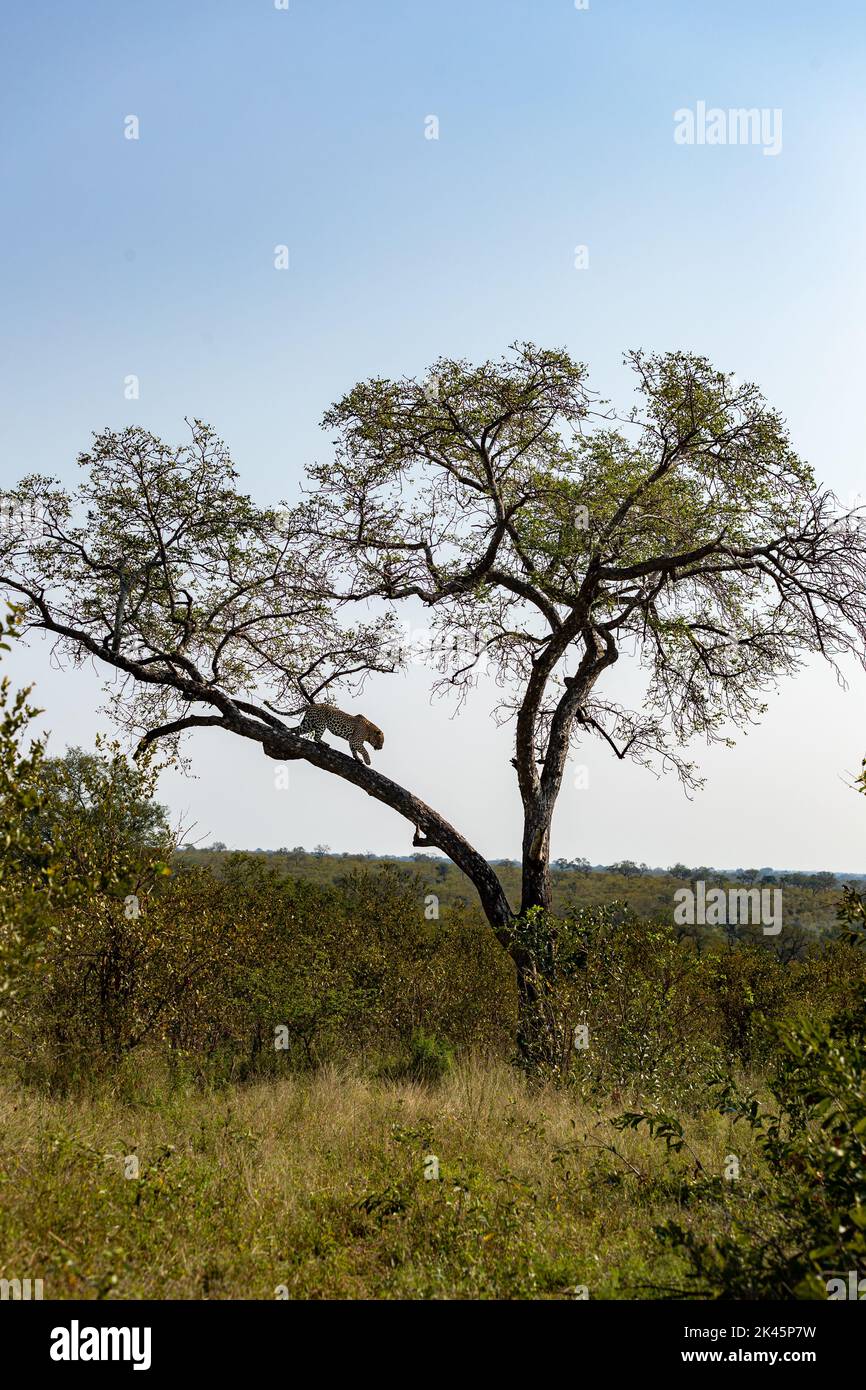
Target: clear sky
306, 127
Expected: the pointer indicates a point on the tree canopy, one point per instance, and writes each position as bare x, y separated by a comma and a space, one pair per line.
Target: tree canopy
546, 534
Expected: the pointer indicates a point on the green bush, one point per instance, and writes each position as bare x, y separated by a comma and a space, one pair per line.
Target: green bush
799, 1222
426, 1059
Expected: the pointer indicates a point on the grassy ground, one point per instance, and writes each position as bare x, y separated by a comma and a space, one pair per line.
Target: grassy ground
316, 1184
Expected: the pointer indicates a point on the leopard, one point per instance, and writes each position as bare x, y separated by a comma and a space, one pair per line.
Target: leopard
354, 727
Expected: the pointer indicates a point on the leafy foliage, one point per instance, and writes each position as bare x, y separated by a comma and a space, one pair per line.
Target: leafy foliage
28, 866
800, 1222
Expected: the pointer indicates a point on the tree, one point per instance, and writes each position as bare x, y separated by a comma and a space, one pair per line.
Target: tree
627, 868
821, 881
100, 798
97, 813
29, 864
81, 841
545, 536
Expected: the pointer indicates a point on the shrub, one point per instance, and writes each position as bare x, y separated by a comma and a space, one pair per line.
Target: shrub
426, 1059
791, 1229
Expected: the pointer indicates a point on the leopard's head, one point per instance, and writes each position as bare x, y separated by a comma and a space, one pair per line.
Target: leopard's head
377, 738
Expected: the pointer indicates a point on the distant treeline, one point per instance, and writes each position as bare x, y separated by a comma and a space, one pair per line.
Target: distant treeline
810, 899
625, 868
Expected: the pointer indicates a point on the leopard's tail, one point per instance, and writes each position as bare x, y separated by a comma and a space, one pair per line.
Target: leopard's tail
289, 713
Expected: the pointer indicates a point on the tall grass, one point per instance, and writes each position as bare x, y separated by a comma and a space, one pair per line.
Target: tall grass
313, 1186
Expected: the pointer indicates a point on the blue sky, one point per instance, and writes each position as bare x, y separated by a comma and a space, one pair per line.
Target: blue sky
306, 127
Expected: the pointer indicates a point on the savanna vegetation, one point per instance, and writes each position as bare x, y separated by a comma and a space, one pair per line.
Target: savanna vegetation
225, 1080
542, 534
811, 899
232, 1074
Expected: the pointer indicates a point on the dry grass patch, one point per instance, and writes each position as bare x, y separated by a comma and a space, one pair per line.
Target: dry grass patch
314, 1185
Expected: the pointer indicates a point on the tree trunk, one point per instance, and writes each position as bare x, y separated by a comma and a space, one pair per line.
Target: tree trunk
527, 1014
534, 949
536, 863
